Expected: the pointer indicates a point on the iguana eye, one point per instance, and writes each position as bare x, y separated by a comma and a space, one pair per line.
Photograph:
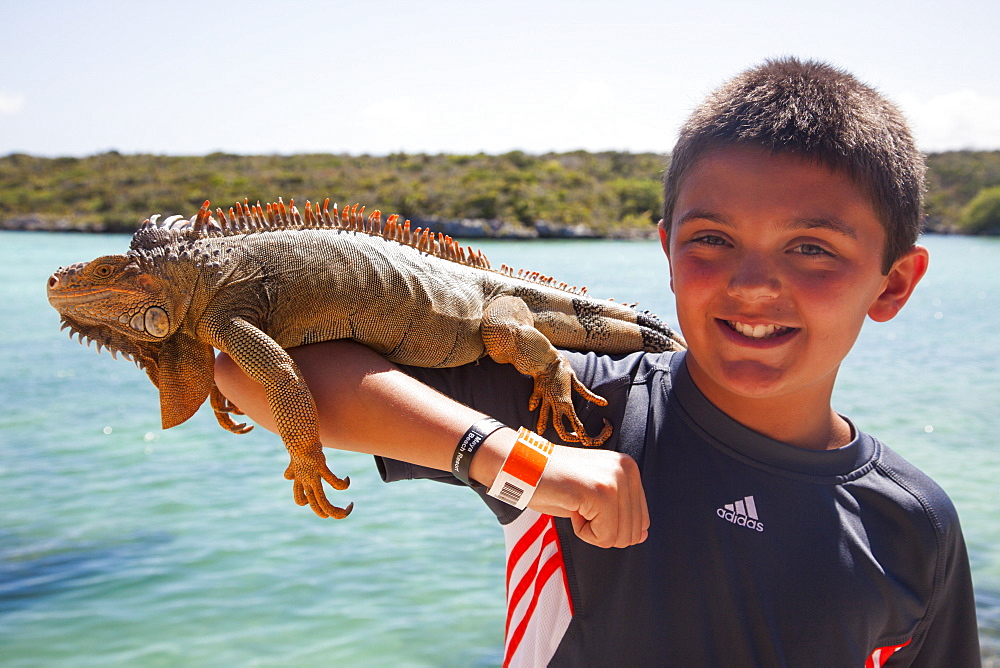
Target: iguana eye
104, 270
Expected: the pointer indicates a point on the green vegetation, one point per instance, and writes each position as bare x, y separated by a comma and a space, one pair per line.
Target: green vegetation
602, 191
953, 180
982, 214
608, 193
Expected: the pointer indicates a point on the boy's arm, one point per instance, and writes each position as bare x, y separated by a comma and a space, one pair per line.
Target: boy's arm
366, 404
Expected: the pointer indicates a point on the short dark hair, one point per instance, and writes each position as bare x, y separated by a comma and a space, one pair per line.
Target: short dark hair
824, 114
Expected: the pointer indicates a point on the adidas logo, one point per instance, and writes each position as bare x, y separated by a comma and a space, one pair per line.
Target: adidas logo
742, 513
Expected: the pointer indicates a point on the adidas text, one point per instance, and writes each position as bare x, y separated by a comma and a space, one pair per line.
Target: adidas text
742, 513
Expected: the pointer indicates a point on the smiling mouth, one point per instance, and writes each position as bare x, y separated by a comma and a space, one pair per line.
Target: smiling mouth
758, 332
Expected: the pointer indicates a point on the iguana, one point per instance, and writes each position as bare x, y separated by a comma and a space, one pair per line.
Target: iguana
255, 281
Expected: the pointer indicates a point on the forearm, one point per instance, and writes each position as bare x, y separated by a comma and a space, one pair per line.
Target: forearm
366, 404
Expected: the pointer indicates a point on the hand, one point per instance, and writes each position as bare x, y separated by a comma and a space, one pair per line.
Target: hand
600, 491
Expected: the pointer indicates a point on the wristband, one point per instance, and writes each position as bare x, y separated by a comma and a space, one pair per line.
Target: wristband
461, 461
518, 477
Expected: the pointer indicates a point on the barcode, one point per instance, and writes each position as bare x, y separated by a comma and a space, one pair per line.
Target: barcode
510, 494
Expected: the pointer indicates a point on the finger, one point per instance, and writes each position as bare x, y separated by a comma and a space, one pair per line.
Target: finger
602, 527
543, 420
314, 503
640, 523
559, 422
536, 397
298, 493
335, 482
585, 392
341, 513
580, 527
322, 506
626, 515
585, 530
636, 507
643, 509
635, 517
588, 441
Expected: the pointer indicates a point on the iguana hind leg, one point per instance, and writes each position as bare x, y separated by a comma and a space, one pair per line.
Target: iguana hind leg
510, 337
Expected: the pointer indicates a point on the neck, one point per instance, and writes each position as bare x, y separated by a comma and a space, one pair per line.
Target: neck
805, 420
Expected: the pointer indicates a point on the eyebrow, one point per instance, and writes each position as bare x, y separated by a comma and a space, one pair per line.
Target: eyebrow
832, 224
701, 214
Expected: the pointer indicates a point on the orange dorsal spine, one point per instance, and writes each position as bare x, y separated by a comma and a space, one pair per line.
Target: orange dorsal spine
246, 218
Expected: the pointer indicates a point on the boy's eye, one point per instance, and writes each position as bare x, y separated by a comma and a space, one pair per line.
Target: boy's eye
710, 240
812, 249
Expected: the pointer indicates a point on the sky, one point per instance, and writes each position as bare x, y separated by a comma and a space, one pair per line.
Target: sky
376, 77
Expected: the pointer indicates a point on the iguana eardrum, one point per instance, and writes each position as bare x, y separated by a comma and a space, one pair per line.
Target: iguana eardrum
253, 282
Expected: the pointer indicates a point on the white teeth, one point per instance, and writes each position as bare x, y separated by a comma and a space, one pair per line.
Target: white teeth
757, 331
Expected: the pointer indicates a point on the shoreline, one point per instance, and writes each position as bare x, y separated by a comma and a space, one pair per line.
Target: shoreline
468, 228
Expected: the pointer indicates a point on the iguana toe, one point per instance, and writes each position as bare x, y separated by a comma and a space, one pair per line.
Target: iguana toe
552, 395
322, 506
224, 410
307, 487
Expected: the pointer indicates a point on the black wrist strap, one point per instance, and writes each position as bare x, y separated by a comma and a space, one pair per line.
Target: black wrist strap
461, 461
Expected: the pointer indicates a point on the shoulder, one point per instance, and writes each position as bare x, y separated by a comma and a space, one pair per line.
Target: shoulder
628, 384
597, 370
912, 522
930, 549
915, 491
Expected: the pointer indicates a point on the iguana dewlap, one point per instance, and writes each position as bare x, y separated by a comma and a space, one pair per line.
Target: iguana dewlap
253, 283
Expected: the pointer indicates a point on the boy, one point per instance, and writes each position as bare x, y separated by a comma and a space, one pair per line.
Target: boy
759, 526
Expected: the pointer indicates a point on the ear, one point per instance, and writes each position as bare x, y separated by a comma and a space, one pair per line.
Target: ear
902, 278
185, 376
665, 243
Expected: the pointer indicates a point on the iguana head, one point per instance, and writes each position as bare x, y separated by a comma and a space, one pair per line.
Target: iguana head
120, 302
112, 301
127, 301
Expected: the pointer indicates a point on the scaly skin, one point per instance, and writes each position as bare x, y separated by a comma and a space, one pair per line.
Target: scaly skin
253, 283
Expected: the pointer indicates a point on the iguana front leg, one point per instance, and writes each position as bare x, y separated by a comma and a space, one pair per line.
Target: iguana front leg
510, 337
294, 412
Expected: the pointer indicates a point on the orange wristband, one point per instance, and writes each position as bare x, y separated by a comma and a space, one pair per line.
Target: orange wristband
518, 477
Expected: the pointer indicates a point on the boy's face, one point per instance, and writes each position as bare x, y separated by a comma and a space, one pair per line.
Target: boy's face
775, 262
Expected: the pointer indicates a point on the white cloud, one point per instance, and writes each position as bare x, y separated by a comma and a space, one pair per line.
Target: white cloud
958, 120
10, 103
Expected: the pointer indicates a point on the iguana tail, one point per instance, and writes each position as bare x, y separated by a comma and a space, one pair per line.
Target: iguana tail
656, 335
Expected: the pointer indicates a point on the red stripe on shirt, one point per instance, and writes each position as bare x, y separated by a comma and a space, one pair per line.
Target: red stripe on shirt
538, 538
882, 654
524, 543
553, 564
514, 596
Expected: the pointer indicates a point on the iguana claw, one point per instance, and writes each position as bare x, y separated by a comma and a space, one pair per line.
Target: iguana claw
552, 394
307, 475
224, 410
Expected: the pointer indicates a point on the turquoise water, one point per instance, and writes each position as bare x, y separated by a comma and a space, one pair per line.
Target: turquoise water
124, 544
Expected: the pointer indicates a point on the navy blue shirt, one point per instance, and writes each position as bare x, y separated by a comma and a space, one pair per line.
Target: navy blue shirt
759, 553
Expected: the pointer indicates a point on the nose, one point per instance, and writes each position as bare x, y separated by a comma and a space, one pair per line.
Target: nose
754, 279
63, 274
